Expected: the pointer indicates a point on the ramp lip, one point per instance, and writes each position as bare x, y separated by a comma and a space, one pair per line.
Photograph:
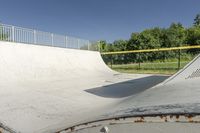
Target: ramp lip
47, 46
150, 118
184, 114
6, 128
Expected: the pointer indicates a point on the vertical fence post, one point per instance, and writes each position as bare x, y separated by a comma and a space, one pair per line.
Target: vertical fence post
13, 33
88, 45
179, 59
111, 61
52, 39
78, 44
34, 36
139, 61
66, 41
99, 46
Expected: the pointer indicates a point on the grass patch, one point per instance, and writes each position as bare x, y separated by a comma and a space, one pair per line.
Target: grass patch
168, 68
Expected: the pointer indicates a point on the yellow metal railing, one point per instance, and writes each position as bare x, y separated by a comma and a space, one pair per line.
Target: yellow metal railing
151, 50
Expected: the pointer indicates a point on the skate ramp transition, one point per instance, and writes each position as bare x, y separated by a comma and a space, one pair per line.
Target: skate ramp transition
48, 89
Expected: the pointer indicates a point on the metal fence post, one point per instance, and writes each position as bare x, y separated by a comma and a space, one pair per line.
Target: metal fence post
88, 45
78, 44
13, 33
139, 60
51, 39
98, 45
179, 59
111, 60
34, 36
66, 41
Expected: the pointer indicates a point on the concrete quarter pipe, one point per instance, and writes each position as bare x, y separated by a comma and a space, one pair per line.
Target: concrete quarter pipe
47, 89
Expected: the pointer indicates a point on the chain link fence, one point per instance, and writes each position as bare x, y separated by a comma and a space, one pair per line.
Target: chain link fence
152, 61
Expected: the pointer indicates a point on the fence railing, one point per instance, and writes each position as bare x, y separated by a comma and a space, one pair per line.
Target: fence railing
23, 35
160, 60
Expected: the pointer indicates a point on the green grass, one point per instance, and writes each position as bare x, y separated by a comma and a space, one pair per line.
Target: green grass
168, 68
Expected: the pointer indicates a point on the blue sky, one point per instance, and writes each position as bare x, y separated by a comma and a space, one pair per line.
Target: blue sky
97, 19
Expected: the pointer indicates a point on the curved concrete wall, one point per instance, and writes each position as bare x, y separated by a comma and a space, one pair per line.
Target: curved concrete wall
31, 62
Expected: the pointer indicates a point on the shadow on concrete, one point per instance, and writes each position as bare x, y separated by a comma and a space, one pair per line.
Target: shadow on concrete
128, 88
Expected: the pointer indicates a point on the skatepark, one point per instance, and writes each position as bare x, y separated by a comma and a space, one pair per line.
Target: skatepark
45, 89
58, 88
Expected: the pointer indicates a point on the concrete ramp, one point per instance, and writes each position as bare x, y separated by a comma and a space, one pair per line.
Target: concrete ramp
47, 89
190, 71
24, 63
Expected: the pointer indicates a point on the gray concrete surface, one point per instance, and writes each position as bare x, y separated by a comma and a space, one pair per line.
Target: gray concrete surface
147, 128
46, 89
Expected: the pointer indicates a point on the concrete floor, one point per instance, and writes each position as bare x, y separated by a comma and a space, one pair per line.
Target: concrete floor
146, 128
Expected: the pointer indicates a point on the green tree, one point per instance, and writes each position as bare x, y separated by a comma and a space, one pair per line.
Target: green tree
193, 38
175, 35
102, 45
120, 45
193, 35
197, 20
108, 48
148, 39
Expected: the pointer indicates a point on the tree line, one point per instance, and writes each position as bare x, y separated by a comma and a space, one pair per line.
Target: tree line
173, 36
